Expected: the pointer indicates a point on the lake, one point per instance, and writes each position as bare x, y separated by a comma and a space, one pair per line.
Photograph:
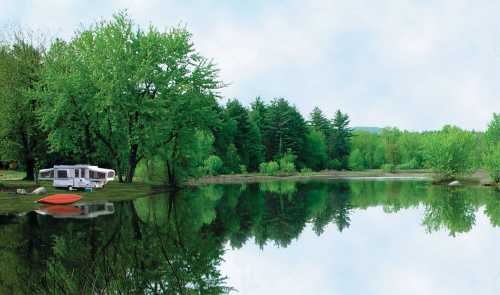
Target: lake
316, 237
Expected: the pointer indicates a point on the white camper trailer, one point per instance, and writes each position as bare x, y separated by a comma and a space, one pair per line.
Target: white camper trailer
77, 176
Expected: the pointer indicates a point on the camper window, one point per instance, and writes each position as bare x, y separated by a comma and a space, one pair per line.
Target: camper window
111, 174
47, 174
77, 172
97, 175
62, 174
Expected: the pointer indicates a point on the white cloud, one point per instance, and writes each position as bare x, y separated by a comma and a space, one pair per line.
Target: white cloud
414, 64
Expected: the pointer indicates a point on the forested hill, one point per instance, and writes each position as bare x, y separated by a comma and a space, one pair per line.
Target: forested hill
375, 130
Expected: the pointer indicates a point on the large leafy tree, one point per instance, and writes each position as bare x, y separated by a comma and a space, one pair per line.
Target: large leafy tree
492, 155
450, 152
120, 93
20, 136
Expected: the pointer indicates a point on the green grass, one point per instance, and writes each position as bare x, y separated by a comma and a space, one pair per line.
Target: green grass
10, 202
11, 175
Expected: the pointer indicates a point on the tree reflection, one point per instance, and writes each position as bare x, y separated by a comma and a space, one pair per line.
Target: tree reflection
174, 243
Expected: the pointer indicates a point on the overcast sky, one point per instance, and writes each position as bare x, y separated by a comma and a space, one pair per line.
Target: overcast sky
413, 64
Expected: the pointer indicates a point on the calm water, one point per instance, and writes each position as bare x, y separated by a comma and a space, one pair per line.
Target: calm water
338, 237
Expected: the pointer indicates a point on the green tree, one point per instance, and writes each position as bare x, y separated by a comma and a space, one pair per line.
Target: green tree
492, 155
283, 128
356, 161
315, 150
449, 152
247, 137
341, 139
22, 140
128, 94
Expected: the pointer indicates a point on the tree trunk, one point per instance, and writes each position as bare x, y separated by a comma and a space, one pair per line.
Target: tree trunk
30, 169
132, 163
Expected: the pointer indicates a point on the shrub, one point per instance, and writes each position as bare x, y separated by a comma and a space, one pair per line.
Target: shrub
389, 168
286, 162
269, 168
212, 165
243, 169
306, 171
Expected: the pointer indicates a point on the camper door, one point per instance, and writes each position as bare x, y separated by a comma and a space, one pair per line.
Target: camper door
81, 178
63, 178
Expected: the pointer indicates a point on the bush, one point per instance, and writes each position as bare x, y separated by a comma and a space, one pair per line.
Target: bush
243, 169
212, 165
269, 168
389, 168
306, 171
286, 163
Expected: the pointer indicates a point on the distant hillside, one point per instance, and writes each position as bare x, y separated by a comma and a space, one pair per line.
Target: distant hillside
368, 129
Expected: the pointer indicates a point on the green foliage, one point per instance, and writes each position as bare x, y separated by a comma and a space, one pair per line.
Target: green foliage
118, 94
356, 161
389, 168
283, 128
334, 164
287, 163
492, 162
412, 164
243, 169
306, 171
232, 160
269, 168
341, 139
21, 139
450, 152
212, 165
315, 150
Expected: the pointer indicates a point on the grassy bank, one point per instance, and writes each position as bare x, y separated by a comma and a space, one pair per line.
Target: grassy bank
10, 202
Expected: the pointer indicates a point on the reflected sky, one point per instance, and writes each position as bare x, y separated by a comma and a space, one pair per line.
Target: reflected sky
380, 253
318, 237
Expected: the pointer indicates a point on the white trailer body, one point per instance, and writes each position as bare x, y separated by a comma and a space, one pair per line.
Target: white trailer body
77, 176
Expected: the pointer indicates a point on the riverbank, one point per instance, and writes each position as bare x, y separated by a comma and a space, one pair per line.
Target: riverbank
480, 177
321, 175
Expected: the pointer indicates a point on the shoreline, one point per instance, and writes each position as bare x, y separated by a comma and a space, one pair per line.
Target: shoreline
323, 175
478, 178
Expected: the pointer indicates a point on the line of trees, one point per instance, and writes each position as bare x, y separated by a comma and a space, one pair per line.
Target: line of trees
146, 102
132, 99
451, 152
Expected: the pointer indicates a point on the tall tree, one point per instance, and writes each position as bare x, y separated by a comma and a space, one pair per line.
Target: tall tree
341, 139
21, 137
131, 92
284, 128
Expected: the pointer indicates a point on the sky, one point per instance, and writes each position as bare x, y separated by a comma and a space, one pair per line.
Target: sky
414, 64
401, 259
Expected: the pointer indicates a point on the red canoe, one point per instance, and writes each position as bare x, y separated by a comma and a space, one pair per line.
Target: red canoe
60, 199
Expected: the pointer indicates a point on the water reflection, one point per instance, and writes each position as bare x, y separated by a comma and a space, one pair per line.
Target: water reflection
78, 211
174, 243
